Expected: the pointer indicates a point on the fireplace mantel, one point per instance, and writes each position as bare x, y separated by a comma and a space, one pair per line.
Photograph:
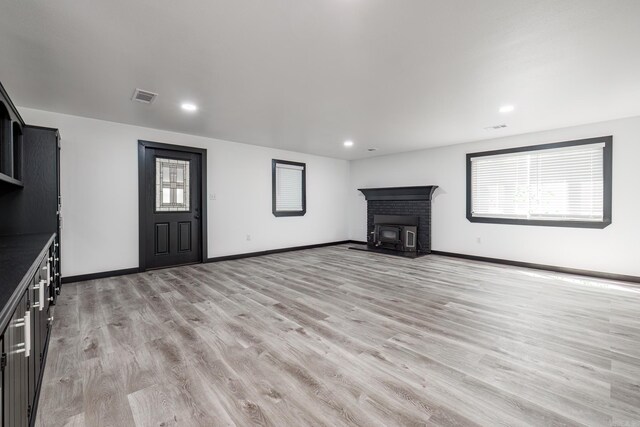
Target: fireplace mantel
399, 193
401, 201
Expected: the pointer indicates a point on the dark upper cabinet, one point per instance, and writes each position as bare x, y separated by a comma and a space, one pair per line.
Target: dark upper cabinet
11, 139
34, 207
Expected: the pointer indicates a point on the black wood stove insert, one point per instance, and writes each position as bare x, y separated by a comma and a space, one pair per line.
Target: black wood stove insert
399, 220
396, 232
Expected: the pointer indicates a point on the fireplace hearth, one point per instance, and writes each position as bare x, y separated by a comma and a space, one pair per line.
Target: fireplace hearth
399, 220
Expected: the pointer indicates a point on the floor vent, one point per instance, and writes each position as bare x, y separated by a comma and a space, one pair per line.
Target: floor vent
144, 96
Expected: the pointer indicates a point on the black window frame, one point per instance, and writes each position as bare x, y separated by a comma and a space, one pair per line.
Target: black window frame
276, 212
607, 185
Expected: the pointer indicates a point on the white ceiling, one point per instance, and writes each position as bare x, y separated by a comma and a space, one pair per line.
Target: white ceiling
305, 75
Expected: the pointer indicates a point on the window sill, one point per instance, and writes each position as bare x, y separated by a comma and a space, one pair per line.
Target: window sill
542, 223
289, 213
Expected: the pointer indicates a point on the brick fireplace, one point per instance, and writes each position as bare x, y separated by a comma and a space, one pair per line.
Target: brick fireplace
403, 201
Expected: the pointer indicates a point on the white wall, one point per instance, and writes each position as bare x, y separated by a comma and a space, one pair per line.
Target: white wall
100, 196
99, 179
615, 249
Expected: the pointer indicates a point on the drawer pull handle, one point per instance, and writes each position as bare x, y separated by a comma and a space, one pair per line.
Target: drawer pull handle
25, 347
27, 334
41, 295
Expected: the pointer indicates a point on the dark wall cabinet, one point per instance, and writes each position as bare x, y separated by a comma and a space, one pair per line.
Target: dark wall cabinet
30, 209
35, 207
11, 137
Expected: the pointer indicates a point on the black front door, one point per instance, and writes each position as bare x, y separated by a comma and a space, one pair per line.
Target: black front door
170, 208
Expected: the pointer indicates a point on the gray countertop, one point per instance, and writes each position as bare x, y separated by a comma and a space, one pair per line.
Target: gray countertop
19, 257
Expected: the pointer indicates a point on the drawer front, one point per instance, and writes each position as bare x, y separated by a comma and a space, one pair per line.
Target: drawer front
54, 256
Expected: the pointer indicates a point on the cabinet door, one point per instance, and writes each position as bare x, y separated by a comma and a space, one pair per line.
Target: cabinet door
16, 373
54, 270
2, 352
33, 296
39, 310
42, 310
31, 324
57, 245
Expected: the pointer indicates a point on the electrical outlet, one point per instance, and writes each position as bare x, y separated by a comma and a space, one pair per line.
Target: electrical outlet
212, 196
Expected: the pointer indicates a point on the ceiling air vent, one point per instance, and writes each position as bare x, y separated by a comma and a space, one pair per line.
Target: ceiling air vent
496, 127
144, 96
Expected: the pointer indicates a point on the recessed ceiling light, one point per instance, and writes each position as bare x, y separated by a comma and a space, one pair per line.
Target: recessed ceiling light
187, 106
348, 143
507, 108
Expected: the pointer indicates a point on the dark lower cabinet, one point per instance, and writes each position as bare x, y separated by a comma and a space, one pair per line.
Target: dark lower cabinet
24, 344
3, 362
16, 372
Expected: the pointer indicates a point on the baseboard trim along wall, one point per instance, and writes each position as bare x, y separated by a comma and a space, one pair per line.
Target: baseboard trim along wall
577, 271
357, 242
276, 251
114, 273
556, 269
101, 275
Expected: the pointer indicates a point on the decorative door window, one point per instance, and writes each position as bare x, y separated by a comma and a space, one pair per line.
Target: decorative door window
172, 185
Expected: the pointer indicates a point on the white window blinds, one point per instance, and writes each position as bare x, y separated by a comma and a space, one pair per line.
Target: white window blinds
564, 184
288, 187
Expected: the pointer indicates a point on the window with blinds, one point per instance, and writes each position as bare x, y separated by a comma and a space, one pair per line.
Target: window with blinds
289, 192
563, 184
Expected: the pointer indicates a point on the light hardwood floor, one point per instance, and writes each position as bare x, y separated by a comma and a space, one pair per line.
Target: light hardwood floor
337, 337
